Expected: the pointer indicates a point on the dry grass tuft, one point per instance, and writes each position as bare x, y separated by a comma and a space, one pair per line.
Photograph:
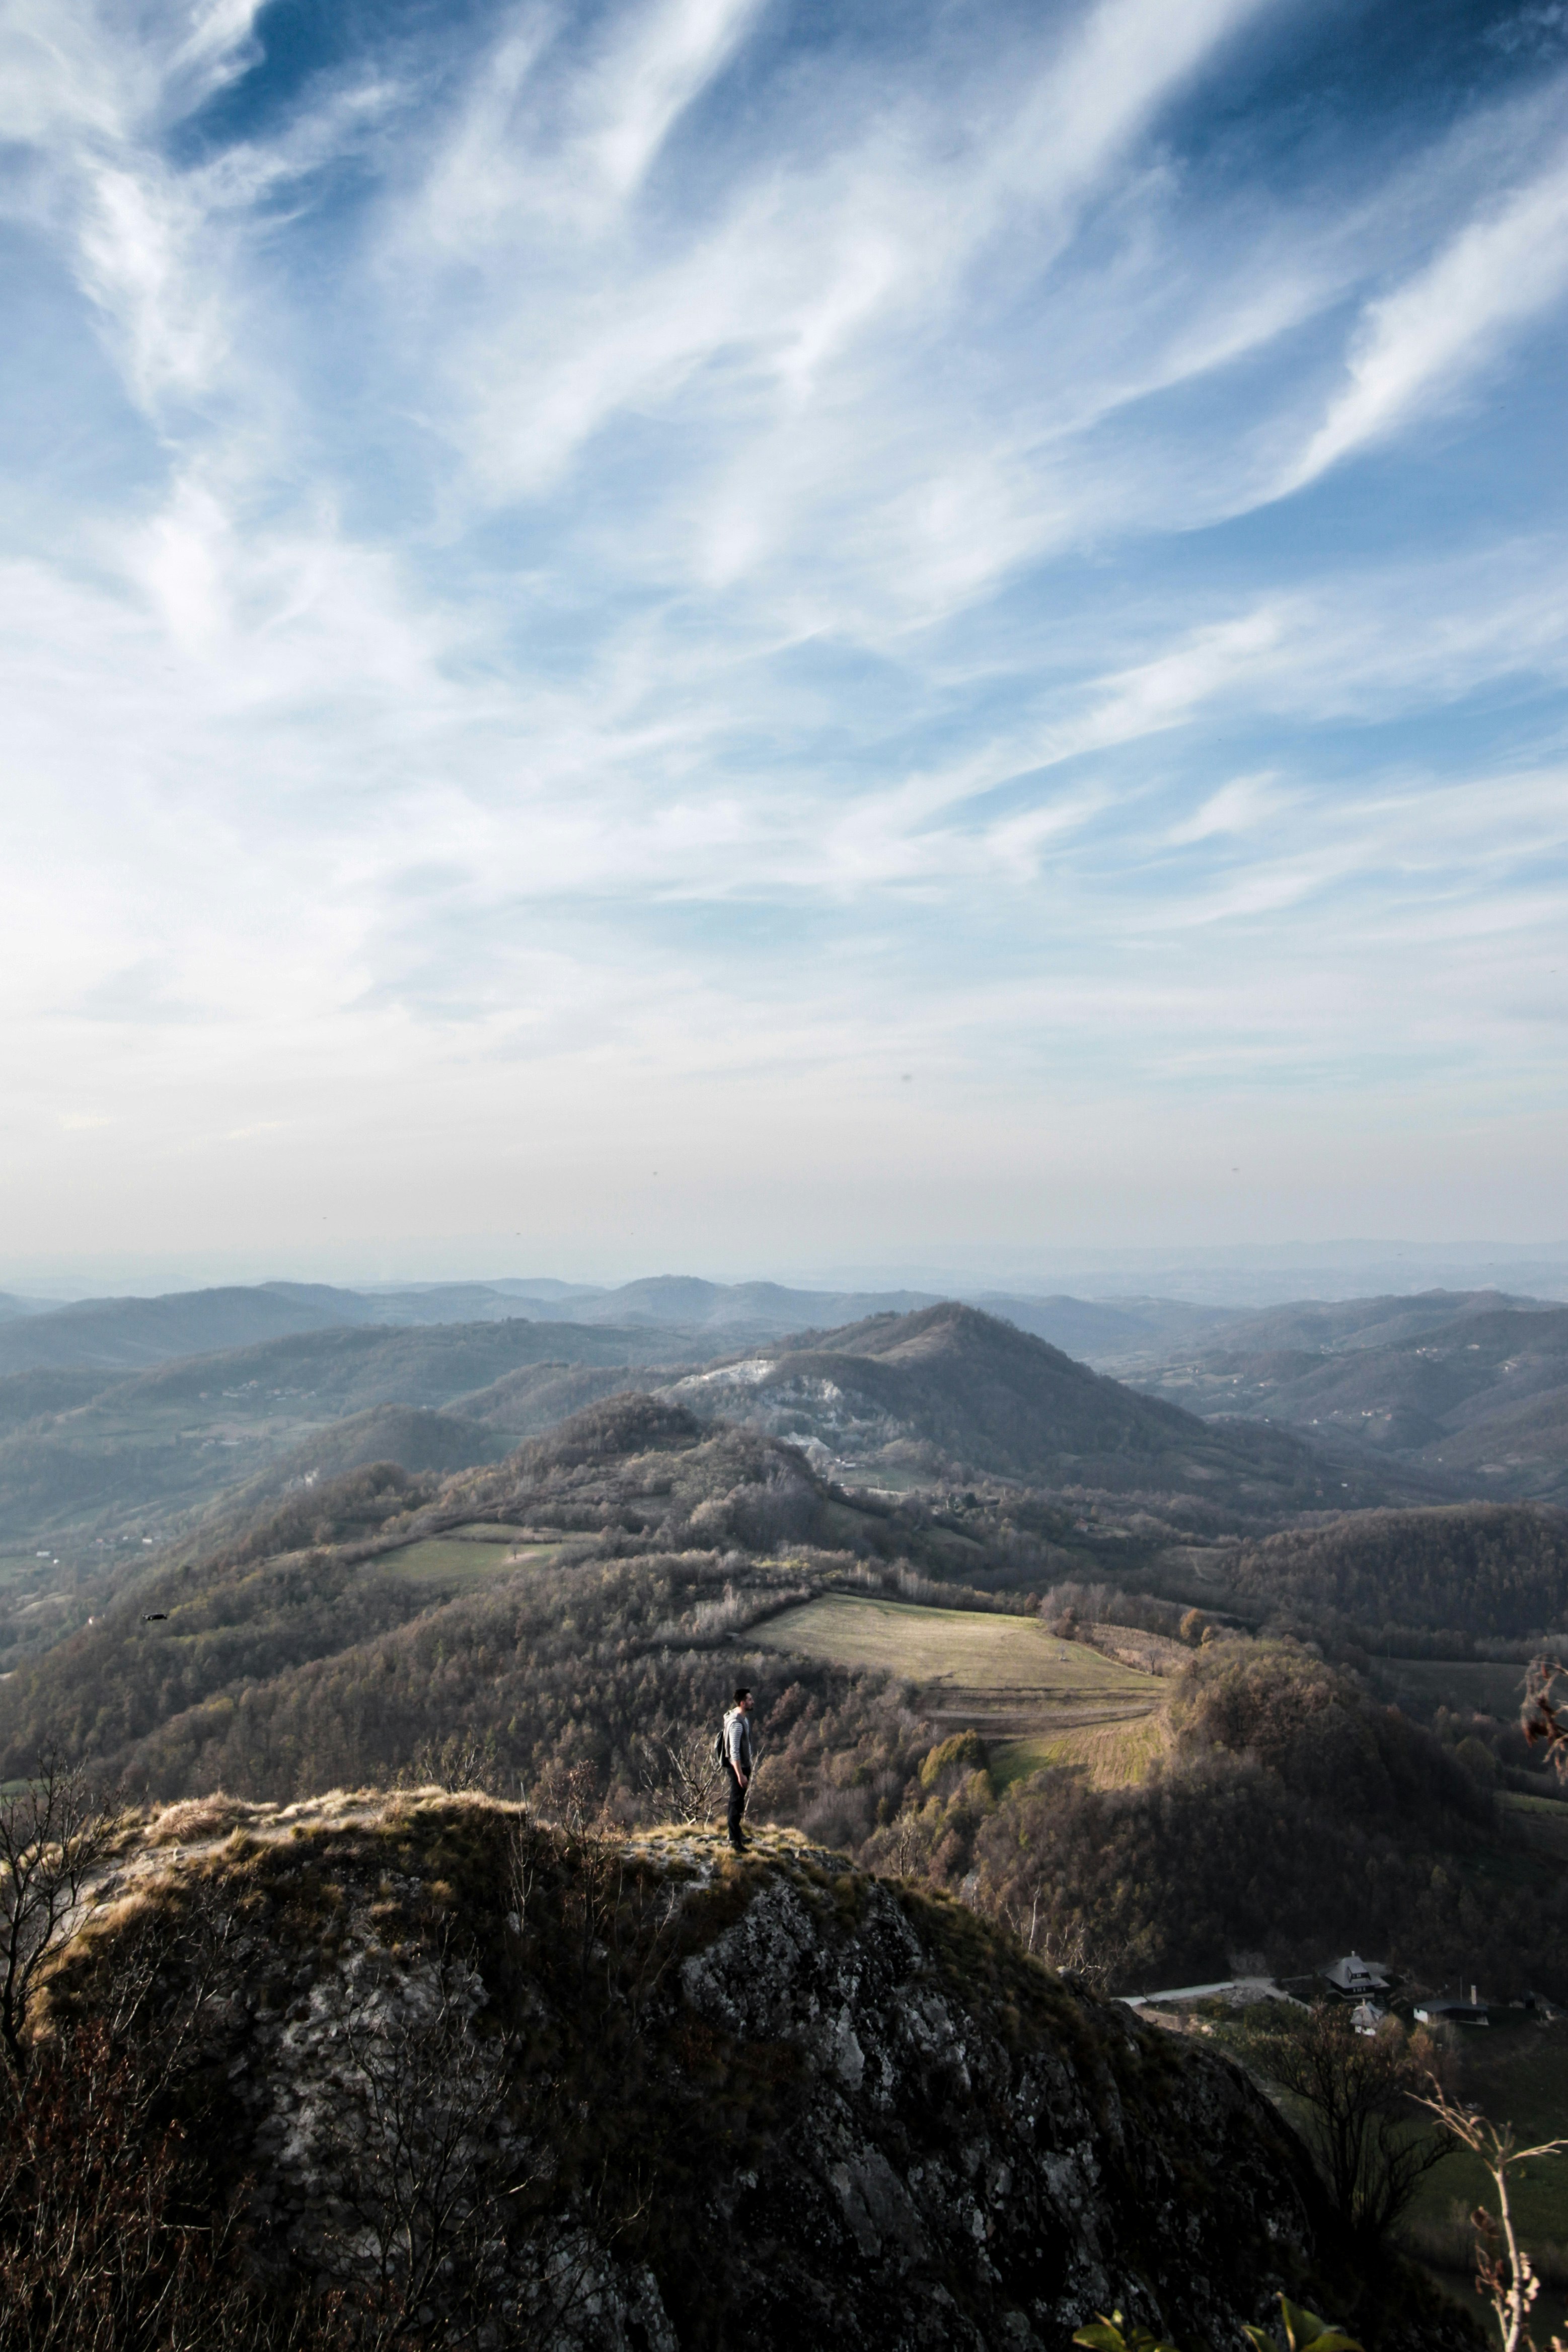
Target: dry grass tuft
197, 1821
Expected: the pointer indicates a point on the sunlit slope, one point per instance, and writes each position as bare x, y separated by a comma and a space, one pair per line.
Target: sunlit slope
1003, 1676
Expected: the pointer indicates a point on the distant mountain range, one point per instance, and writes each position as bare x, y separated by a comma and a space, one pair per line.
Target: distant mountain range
122, 1418
1471, 1387
101, 1454
116, 1414
130, 1334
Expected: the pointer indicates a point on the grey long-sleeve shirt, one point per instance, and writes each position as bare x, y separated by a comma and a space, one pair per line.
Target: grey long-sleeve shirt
738, 1740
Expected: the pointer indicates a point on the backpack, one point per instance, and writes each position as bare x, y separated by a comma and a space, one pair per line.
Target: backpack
721, 1743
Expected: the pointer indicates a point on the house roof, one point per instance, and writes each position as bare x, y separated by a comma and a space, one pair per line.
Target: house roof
1353, 1974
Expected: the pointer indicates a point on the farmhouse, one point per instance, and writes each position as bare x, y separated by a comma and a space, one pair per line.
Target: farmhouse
1355, 1979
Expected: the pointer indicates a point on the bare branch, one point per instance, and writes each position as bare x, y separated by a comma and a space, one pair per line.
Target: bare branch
1543, 1715
686, 1774
1504, 2274
54, 1836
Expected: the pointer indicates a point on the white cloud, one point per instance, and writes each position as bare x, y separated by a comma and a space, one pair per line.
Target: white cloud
1436, 332
1239, 807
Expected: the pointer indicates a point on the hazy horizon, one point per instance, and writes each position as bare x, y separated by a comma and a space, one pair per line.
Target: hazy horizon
668, 631
1244, 1275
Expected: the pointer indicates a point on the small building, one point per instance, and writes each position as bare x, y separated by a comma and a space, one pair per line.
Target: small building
1366, 2017
1452, 2013
1355, 1979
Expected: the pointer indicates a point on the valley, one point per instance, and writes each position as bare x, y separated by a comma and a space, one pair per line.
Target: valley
919, 1529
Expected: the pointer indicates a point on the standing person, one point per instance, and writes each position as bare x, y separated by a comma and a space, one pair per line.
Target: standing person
738, 1764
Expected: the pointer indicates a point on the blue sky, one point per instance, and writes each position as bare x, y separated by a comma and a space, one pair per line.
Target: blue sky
733, 634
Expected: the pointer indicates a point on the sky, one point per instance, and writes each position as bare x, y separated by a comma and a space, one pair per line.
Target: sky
736, 637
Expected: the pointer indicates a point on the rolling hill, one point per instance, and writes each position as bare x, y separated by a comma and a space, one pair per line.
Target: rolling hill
84, 1456
284, 1579
1488, 1571
897, 1397
132, 1333
122, 1335
1469, 1387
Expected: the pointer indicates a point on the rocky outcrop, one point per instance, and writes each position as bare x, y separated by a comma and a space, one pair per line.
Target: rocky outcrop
682, 2099
992, 2166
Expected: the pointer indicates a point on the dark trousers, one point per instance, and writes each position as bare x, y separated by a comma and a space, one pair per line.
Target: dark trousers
737, 1802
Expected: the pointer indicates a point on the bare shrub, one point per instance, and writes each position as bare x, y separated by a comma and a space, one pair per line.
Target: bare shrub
685, 1776
54, 1836
461, 1763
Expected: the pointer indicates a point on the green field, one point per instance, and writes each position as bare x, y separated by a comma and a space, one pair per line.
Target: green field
1037, 1699
1540, 1821
464, 1557
1109, 1755
974, 1650
491, 1531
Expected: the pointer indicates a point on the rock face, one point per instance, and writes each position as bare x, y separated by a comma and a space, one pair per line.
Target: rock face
683, 2100
957, 2172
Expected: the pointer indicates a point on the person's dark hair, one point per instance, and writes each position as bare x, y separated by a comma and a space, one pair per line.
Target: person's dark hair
742, 1693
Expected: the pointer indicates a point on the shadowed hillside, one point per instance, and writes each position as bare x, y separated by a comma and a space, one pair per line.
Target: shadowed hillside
1488, 1571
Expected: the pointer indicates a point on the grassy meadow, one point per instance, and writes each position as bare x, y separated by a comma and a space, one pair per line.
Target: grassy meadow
1036, 1699
464, 1556
1109, 1755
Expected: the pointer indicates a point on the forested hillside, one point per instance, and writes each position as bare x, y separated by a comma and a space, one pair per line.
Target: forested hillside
1474, 1568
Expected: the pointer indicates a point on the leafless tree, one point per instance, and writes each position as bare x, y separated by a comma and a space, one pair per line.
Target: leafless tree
55, 1836
1504, 2274
686, 1774
1358, 2091
907, 1846
1068, 1946
460, 1763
